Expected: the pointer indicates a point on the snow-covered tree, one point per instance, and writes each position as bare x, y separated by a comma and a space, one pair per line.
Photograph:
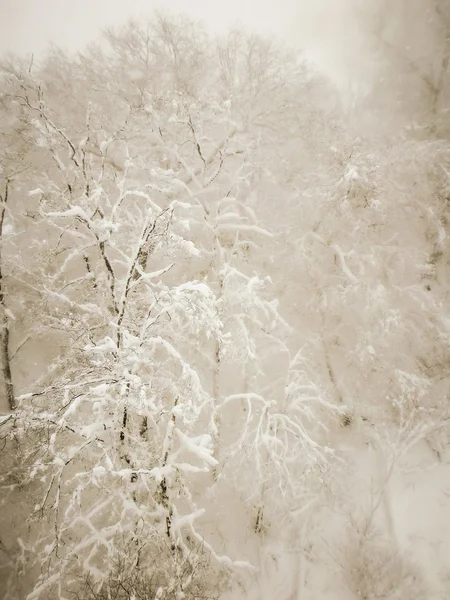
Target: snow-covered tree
147, 274
219, 283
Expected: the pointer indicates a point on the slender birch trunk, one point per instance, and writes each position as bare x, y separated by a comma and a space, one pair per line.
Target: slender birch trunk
4, 321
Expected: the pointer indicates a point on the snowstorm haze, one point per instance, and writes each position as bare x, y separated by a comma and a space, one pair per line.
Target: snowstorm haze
363, 46
28, 25
225, 300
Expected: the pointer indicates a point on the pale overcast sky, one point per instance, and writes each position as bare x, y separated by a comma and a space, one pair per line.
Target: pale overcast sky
324, 28
28, 25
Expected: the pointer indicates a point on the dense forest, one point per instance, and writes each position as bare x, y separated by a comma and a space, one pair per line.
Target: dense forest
225, 325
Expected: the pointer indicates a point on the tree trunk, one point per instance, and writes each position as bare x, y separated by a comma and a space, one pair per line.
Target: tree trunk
4, 322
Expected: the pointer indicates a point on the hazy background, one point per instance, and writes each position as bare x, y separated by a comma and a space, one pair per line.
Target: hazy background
29, 25
326, 29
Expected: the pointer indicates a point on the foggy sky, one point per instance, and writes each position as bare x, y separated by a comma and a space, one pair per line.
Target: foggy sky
27, 26
325, 29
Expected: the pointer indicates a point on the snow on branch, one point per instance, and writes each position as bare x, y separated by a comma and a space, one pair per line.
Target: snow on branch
241, 227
